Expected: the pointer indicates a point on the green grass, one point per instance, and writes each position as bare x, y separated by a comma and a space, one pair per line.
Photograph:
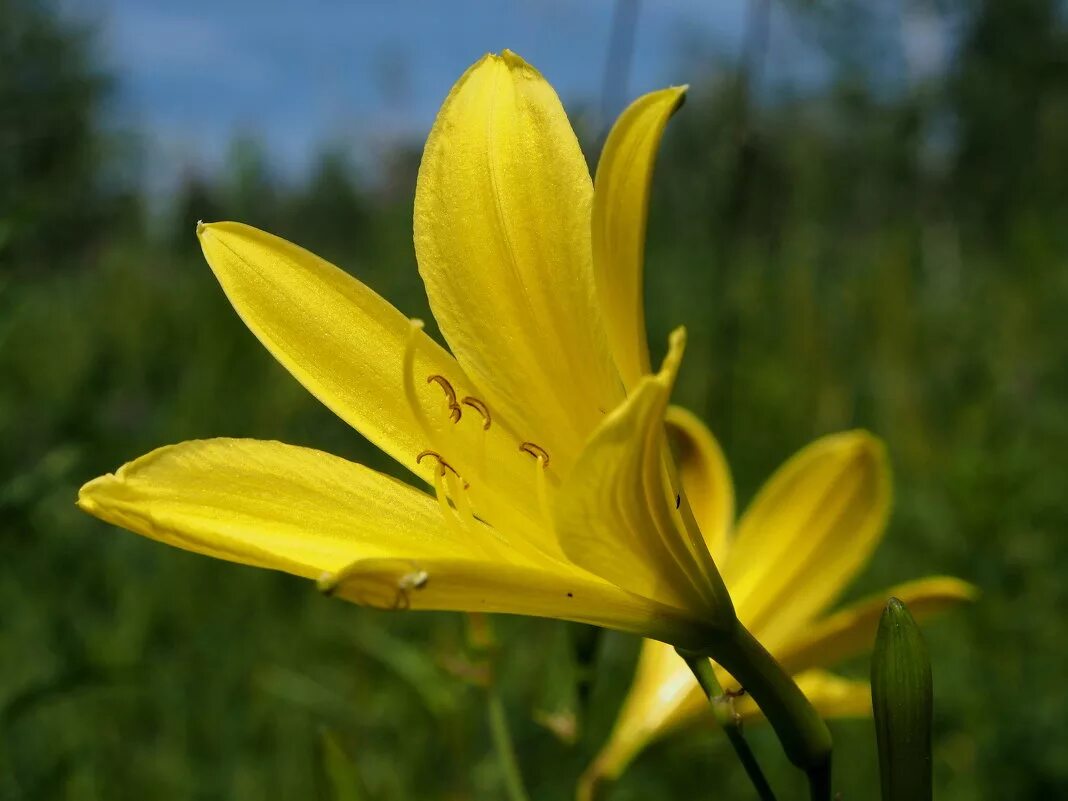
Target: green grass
131, 670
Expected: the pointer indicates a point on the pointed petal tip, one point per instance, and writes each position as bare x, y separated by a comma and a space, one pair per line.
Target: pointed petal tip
327, 583
865, 447
935, 588
869, 452
86, 500
218, 228
98, 496
514, 60
863, 439
508, 59
949, 587
676, 347
83, 501
206, 228
678, 93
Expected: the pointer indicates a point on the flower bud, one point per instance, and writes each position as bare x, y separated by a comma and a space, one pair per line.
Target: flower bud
902, 702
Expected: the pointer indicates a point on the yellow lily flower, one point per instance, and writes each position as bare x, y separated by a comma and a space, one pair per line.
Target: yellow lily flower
541, 433
806, 535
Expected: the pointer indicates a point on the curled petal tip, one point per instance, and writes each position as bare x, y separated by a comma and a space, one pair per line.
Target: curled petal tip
327, 583
676, 347
678, 93
85, 500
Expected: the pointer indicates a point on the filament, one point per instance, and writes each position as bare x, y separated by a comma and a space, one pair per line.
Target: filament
414, 327
460, 499
451, 520
442, 464
430, 433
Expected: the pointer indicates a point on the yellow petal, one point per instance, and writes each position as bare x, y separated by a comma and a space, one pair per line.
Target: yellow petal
706, 478
510, 587
663, 694
335, 335
371, 538
617, 516
665, 697
807, 533
347, 345
852, 630
502, 235
270, 505
831, 695
620, 207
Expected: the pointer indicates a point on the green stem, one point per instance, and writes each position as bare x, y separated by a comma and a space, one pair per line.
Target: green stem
819, 782
803, 734
706, 677
503, 745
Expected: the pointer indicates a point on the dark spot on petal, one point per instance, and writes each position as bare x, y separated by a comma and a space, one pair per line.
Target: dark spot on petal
571, 595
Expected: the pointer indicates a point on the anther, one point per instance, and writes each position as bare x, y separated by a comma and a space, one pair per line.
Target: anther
328, 583
455, 412
416, 580
536, 451
443, 382
481, 408
442, 465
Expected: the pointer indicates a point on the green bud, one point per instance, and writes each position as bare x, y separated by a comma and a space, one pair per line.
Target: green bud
902, 701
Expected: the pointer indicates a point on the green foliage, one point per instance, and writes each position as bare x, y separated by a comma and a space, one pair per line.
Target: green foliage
836, 263
53, 197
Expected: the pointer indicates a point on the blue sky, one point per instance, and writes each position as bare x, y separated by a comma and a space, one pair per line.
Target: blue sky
194, 74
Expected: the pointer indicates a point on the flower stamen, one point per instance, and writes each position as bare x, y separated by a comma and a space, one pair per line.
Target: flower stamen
452, 519
541, 457
460, 501
431, 433
481, 408
536, 451
455, 412
442, 465
416, 580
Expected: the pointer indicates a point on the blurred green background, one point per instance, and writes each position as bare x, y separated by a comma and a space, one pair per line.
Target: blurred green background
846, 255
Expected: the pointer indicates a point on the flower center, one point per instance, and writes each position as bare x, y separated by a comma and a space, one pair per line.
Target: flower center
461, 454
450, 486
